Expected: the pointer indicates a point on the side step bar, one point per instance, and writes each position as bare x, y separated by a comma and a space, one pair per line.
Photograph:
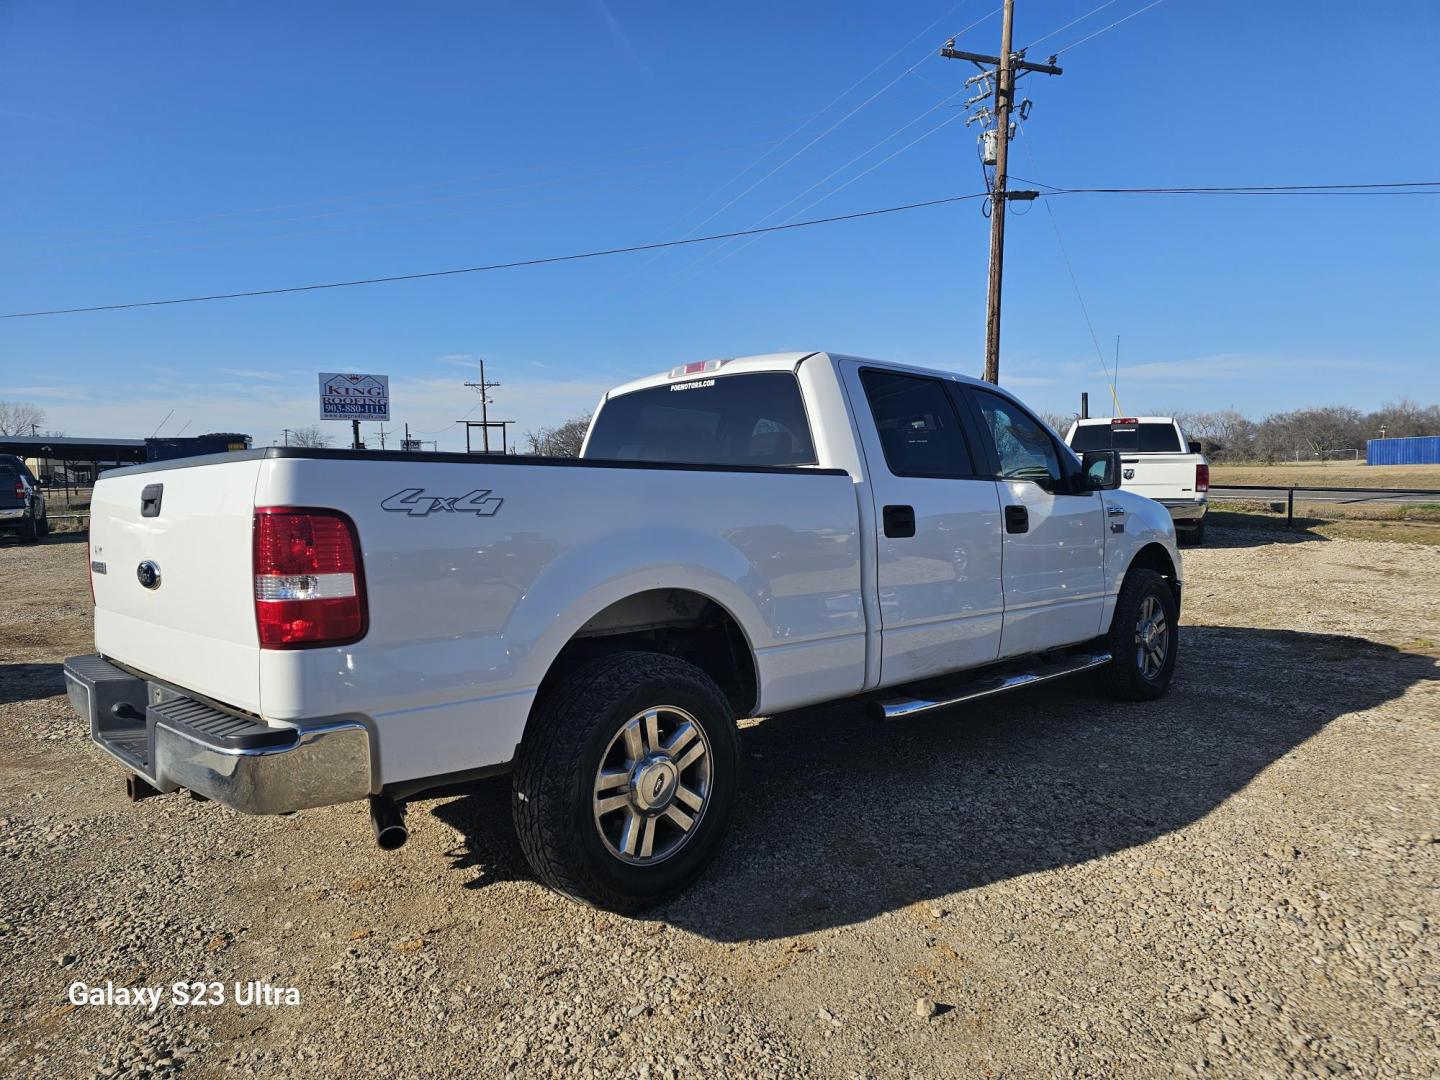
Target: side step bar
907, 701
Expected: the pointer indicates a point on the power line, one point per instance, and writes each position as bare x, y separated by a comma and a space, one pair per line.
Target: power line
816, 116
858, 157
1424, 186
824, 134
1074, 278
1112, 26
1072, 22
516, 264
329, 199
836, 190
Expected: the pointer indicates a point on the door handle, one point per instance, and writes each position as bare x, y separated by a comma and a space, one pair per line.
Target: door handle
899, 521
1017, 519
1115, 511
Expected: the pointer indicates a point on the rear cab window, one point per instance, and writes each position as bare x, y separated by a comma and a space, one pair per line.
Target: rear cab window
1148, 438
757, 418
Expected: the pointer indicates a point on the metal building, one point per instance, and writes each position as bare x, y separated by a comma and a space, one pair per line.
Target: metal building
1417, 450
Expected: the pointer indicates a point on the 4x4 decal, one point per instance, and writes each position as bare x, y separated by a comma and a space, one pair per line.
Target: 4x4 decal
416, 503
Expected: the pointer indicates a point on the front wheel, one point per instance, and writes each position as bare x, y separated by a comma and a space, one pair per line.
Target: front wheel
1143, 638
626, 781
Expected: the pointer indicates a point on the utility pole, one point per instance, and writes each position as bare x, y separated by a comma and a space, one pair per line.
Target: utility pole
1002, 78
382, 436
484, 387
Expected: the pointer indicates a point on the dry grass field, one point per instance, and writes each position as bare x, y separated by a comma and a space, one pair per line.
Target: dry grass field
1328, 474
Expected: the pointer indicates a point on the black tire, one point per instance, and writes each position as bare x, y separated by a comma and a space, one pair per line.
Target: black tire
573, 728
28, 533
44, 526
1194, 536
1127, 676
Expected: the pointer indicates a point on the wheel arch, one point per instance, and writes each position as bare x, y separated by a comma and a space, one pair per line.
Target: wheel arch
677, 621
1155, 556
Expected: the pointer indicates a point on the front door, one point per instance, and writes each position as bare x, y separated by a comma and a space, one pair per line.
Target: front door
1054, 546
937, 519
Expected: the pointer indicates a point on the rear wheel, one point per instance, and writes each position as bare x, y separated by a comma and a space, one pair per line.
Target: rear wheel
44, 526
1143, 638
625, 784
29, 532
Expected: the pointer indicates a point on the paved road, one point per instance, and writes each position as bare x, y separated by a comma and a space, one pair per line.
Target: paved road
1331, 495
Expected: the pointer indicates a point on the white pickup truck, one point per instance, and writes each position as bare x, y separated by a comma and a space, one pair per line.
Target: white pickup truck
286, 628
1156, 461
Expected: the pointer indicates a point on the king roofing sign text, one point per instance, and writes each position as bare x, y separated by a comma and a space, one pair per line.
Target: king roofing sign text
354, 397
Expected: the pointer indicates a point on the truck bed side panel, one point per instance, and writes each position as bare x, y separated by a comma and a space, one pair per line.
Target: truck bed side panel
468, 610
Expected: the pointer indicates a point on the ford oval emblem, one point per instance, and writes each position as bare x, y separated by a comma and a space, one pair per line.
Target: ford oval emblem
148, 574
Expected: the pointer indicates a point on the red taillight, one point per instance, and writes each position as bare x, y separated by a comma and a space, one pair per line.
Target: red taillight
309, 586
20, 489
1202, 477
1127, 420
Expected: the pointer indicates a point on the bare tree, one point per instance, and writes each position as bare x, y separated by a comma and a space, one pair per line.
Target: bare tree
308, 436
564, 440
1060, 422
20, 418
1402, 419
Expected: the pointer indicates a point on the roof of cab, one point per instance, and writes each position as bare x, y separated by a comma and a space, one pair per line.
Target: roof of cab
779, 361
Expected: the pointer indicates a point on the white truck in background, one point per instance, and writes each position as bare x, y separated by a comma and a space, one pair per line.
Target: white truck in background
285, 628
1156, 461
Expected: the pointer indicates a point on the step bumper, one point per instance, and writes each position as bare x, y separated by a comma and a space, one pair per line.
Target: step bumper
173, 741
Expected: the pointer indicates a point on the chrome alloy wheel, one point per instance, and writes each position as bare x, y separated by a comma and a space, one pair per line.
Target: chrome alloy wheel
1152, 638
653, 785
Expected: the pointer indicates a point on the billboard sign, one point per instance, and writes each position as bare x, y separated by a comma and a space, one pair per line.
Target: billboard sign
354, 397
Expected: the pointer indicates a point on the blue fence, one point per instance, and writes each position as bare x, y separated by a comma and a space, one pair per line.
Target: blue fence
1420, 450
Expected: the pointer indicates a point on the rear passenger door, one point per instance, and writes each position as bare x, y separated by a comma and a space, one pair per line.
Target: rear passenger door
1054, 549
938, 519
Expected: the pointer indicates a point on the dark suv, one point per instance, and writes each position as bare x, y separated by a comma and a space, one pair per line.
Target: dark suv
22, 504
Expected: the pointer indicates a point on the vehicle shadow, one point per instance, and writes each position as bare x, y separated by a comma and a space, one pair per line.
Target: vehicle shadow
1231, 529
30, 682
842, 818
12, 540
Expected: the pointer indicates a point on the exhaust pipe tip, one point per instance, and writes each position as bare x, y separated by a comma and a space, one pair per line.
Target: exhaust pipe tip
387, 818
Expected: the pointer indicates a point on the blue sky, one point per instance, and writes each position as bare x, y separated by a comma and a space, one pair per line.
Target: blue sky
163, 149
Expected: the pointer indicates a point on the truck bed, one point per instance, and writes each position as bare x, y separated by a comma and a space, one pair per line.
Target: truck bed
476, 571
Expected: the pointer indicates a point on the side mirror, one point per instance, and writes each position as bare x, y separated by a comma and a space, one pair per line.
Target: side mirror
1100, 470
1194, 447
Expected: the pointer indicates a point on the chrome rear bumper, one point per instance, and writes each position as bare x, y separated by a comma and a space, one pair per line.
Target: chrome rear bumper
172, 741
1189, 511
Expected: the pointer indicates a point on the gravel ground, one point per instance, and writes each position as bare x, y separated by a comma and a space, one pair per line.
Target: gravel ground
1239, 881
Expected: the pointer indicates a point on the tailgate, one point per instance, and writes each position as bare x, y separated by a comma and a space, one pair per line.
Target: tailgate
9, 481
1158, 476
194, 625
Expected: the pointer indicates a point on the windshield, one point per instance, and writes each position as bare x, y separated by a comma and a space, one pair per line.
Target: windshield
755, 419
1139, 438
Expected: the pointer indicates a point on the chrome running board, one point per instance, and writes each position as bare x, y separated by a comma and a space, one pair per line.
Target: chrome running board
906, 701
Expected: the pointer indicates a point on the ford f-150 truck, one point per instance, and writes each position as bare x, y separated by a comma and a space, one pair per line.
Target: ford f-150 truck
287, 628
1155, 461
22, 503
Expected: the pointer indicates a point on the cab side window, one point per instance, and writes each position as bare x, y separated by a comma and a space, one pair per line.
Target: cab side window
1025, 449
918, 427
